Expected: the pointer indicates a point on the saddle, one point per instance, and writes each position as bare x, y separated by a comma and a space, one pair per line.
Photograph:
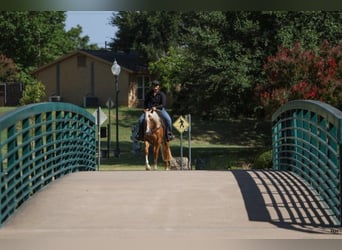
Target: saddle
138, 132
167, 134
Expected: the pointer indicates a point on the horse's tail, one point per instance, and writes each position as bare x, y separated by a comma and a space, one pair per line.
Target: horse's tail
166, 151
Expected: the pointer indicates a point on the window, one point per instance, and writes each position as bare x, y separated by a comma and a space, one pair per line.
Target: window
143, 86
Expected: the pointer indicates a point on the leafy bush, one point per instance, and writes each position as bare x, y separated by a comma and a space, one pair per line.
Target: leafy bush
34, 90
263, 161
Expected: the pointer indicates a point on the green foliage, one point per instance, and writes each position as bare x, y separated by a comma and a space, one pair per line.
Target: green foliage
168, 68
34, 38
34, 90
217, 76
216, 58
263, 161
76, 41
8, 69
309, 28
150, 32
30, 37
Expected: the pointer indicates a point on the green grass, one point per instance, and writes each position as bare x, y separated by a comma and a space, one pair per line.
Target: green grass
216, 145
4, 110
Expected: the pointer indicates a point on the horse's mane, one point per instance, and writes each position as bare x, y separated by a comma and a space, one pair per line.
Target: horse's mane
155, 117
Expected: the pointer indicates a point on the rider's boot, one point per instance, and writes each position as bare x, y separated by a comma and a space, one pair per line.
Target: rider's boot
169, 135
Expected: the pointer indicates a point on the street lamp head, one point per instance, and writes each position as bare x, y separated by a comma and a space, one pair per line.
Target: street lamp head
115, 68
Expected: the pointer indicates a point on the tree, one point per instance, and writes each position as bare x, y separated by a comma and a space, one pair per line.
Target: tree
217, 67
217, 57
169, 68
30, 38
8, 69
309, 28
34, 38
76, 41
150, 32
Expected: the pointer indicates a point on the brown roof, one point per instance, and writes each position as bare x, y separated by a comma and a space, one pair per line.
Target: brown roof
130, 61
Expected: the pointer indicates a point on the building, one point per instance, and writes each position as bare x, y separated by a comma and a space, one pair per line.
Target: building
84, 78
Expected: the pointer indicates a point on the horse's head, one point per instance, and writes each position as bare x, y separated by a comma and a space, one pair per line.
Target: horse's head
152, 120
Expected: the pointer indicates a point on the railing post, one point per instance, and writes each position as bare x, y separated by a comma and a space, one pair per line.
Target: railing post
27, 156
38, 152
49, 131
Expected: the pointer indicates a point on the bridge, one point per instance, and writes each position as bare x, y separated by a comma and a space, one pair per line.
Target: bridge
53, 198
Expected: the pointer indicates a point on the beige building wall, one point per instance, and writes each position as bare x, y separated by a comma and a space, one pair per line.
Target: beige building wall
77, 81
48, 78
74, 81
104, 83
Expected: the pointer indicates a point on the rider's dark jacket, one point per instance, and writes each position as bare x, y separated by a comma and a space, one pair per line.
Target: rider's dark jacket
158, 100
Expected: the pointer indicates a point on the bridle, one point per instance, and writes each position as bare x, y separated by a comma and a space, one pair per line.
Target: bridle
157, 127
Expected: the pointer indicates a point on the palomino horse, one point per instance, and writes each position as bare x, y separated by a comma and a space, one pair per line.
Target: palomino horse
154, 136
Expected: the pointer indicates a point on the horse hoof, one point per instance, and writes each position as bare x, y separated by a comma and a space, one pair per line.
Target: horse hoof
155, 168
148, 168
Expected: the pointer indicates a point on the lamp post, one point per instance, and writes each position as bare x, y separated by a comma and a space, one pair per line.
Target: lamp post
116, 71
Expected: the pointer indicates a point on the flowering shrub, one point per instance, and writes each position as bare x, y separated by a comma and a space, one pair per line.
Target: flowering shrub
305, 90
295, 73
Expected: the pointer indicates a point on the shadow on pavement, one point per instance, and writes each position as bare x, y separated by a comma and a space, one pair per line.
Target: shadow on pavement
283, 199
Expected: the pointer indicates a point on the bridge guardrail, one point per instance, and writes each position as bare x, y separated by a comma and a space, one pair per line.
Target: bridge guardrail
38, 144
307, 140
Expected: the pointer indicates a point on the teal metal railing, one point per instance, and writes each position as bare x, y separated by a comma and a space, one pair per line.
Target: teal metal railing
307, 141
38, 144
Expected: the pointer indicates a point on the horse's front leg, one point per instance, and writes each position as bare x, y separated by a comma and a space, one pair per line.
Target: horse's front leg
147, 164
156, 155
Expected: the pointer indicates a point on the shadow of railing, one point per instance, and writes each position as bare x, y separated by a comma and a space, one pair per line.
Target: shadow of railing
285, 200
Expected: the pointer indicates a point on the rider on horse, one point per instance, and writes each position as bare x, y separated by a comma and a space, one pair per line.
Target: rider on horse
156, 100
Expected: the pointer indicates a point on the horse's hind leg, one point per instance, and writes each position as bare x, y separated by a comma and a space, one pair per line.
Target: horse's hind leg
147, 164
167, 156
167, 165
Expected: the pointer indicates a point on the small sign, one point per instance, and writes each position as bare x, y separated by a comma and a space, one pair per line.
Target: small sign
109, 103
103, 116
181, 124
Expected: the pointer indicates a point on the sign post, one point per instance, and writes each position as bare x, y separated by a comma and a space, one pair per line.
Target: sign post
109, 104
181, 124
100, 118
188, 117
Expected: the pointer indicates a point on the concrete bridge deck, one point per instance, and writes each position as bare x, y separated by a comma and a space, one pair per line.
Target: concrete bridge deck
126, 208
